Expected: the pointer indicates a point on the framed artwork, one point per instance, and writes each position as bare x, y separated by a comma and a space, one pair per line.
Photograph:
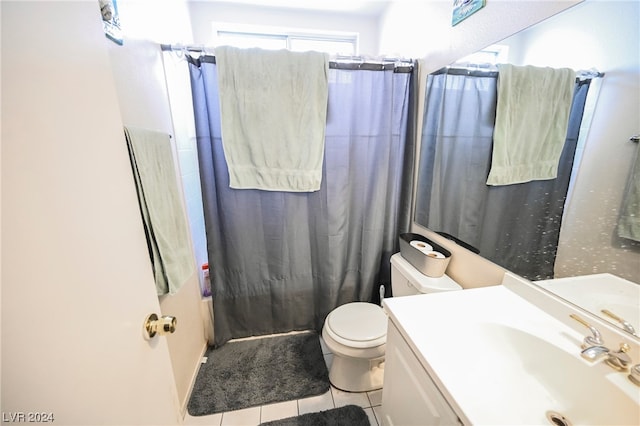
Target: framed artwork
111, 20
462, 9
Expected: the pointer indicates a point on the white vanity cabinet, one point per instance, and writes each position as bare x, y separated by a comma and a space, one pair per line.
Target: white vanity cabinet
409, 396
488, 356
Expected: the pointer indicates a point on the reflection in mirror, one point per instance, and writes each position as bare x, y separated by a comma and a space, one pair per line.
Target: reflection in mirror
543, 229
613, 298
516, 225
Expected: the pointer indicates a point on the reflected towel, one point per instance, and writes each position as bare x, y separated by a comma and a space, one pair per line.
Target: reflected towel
629, 221
273, 109
161, 206
532, 116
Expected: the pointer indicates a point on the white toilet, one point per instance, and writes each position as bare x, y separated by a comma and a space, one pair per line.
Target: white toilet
356, 333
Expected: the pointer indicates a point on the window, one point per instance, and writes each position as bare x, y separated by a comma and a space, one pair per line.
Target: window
492, 55
245, 36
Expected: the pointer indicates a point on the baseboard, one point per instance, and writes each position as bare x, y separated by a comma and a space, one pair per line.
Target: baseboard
207, 319
183, 405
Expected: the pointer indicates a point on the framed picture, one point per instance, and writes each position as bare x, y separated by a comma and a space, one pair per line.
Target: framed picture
111, 20
462, 9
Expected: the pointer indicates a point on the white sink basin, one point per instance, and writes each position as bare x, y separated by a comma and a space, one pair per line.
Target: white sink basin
545, 380
501, 360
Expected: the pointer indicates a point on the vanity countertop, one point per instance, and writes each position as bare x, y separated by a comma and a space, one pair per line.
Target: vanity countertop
499, 359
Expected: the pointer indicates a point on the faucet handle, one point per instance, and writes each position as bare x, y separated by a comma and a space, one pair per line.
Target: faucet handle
595, 339
634, 374
619, 360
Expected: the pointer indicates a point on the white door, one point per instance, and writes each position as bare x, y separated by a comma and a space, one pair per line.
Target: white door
76, 281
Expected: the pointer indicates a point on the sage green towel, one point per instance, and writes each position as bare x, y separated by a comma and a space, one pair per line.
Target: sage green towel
532, 115
629, 221
273, 111
161, 206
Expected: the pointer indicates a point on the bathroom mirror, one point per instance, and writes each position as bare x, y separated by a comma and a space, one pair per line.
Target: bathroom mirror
605, 37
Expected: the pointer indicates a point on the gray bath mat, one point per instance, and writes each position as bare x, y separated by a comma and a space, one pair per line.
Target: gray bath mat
248, 373
350, 415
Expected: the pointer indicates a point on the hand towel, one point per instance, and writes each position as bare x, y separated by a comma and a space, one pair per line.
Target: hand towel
532, 116
273, 109
161, 206
629, 221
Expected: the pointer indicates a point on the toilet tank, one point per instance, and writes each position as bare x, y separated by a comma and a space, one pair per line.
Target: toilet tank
407, 280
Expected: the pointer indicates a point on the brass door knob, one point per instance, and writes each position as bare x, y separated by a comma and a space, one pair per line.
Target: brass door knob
165, 325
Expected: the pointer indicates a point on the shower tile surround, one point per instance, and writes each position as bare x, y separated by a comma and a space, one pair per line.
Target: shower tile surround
369, 401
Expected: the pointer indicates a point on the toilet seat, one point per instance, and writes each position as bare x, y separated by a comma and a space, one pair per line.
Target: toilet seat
357, 325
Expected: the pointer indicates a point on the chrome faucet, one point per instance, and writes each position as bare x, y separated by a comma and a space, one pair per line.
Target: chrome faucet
595, 339
593, 349
594, 353
618, 360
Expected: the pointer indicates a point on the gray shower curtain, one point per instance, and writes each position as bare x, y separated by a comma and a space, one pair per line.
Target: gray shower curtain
515, 226
282, 261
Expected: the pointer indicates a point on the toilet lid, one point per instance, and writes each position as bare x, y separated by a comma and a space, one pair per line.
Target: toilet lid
358, 322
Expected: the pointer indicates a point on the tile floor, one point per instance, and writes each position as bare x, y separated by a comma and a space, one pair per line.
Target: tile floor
253, 416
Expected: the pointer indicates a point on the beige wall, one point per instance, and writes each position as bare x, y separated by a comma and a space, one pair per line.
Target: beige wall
144, 102
466, 268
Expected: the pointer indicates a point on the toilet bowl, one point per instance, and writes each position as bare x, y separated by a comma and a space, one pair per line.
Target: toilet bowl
356, 333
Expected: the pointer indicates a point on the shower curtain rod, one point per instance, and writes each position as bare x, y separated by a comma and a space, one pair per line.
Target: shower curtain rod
485, 70
337, 62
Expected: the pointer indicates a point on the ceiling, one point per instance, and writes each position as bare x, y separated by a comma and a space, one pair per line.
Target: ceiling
359, 7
